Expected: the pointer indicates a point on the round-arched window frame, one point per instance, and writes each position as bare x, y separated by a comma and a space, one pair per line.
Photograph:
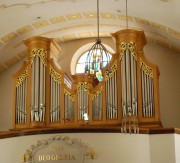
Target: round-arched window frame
83, 49
81, 63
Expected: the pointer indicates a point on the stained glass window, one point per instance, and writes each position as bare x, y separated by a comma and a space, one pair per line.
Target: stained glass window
80, 66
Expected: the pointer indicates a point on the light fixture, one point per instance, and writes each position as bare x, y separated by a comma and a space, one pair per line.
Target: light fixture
98, 57
129, 122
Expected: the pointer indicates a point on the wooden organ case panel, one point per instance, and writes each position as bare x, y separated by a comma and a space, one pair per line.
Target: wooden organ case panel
139, 79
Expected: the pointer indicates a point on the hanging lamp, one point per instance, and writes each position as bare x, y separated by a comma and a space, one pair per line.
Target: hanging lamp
98, 57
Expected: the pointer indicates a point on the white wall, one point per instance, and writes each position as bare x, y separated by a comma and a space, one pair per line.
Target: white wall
162, 148
177, 147
109, 147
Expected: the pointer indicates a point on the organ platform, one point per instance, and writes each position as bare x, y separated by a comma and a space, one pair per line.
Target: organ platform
44, 97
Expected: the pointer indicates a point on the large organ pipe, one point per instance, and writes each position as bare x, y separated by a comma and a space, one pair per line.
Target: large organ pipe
80, 110
36, 88
108, 102
127, 74
110, 97
143, 91
32, 90
124, 92
41, 92
44, 90
58, 104
57, 107
115, 96
82, 105
112, 87
132, 84
65, 105
100, 110
135, 85
148, 92
79, 101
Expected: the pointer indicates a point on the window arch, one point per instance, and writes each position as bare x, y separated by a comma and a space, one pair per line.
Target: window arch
79, 59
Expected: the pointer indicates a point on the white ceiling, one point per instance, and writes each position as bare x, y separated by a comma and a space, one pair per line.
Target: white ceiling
74, 19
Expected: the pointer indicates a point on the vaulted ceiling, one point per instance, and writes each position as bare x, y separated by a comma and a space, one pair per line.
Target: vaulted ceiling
66, 20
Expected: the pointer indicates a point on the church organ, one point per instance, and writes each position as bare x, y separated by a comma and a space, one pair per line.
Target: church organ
43, 97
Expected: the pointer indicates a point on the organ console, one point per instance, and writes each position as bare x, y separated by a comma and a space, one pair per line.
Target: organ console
45, 97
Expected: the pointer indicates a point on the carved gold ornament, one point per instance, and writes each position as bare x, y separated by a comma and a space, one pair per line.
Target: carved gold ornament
70, 96
82, 85
131, 46
87, 152
111, 73
27, 156
56, 76
21, 78
147, 70
97, 93
41, 53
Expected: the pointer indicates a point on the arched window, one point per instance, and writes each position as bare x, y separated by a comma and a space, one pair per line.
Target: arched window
79, 59
80, 66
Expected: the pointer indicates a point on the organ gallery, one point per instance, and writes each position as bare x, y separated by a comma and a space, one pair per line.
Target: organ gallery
127, 97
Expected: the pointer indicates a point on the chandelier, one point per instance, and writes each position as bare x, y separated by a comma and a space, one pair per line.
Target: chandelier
98, 57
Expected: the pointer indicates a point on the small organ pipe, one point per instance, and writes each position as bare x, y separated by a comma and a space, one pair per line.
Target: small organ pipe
16, 105
41, 85
36, 83
17, 108
22, 101
25, 100
132, 85
115, 98
79, 104
100, 103
128, 78
143, 90
51, 107
112, 97
56, 91
53, 100
150, 98
135, 85
20, 109
32, 87
58, 86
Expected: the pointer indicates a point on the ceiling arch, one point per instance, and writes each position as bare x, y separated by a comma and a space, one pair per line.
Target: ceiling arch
72, 19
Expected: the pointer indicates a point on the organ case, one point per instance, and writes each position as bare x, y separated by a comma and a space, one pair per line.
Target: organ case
45, 97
